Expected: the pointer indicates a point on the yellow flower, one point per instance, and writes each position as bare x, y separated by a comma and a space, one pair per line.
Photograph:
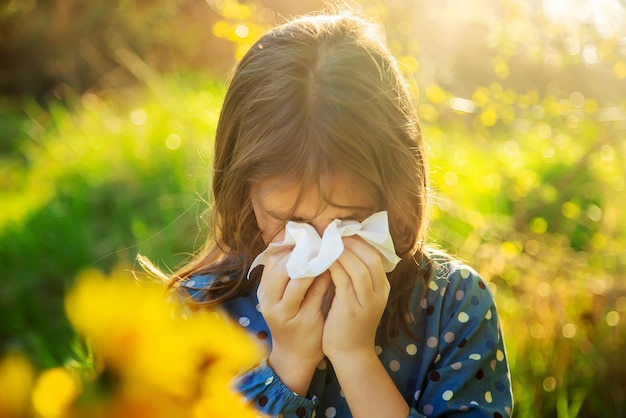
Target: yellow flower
132, 330
54, 392
16, 381
159, 361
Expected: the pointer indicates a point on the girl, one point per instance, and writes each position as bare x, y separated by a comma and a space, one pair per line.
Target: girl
317, 128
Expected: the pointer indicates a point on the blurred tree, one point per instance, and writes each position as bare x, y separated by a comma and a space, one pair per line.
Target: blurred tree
79, 45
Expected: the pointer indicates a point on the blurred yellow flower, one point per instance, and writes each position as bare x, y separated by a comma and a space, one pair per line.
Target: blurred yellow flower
54, 391
151, 360
16, 380
435, 94
152, 349
488, 117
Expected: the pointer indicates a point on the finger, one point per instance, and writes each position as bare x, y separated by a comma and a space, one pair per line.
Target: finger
274, 279
342, 281
294, 294
372, 259
315, 295
358, 274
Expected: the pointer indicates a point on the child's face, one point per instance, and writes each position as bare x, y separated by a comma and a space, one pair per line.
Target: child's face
273, 201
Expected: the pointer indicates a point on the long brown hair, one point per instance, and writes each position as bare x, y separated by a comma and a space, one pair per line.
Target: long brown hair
318, 93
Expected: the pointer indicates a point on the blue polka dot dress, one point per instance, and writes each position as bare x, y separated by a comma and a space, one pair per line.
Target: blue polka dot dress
456, 367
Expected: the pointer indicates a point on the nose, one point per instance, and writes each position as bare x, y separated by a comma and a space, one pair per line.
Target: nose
320, 226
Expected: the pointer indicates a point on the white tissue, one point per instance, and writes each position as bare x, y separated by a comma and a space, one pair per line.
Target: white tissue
312, 255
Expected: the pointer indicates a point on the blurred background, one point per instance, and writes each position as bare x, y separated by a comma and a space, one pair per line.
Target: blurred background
107, 116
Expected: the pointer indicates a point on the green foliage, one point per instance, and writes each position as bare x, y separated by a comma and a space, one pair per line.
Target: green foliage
528, 174
529, 191
93, 187
96, 185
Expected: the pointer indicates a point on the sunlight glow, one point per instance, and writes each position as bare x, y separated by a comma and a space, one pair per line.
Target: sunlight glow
607, 16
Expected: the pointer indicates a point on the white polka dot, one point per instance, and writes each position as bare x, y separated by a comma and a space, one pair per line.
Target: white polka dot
449, 337
428, 409
330, 412
341, 393
488, 315
456, 366
378, 350
244, 321
463, 317
459, 295
258, 307
410, 318
465, 273
322, 365
500, 355
508, 410
394, 365
433, 286
464, 408
190, 283
424, 303
269, 380
416, 396
437, 359
447, 395
432, 342
411, 349
488, 397
473, 403
493, 365
475, 356
442, 292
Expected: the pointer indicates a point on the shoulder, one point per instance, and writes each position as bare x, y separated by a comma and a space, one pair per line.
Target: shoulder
458, 288
450, 273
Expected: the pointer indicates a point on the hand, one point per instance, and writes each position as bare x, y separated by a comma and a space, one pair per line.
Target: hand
292, 310
361, 294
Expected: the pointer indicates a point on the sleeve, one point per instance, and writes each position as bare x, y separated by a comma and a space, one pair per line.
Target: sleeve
414, 414
264, 389
470, 375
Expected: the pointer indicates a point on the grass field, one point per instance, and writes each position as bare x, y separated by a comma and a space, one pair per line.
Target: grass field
529, 190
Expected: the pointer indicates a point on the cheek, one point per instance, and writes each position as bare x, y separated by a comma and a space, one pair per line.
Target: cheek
271, 230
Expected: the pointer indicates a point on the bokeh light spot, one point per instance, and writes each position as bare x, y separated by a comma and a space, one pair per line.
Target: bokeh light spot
450, 178
594, 212
138, 117
569, 330
173, 141
549, 384
612, 318
488, 118
538, 225
242, 31
607, 153
537, 331
570, 210
532, 247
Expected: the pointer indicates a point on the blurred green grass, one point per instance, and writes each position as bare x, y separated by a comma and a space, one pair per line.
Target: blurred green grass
92, 187
529, 172
529, 190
